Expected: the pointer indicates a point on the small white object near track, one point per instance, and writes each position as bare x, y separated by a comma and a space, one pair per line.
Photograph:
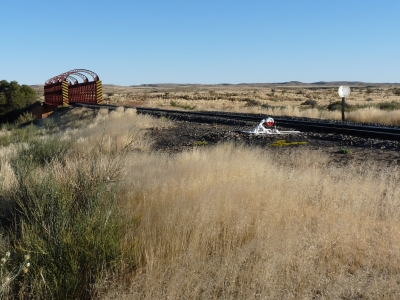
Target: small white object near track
269, 122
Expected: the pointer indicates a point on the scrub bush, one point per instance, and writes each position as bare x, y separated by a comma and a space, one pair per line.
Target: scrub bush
67, 219
389, 105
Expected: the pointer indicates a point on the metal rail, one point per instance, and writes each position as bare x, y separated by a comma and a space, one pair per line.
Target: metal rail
376, 132
357, 130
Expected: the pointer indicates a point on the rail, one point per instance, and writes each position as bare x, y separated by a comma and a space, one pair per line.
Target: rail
367, 131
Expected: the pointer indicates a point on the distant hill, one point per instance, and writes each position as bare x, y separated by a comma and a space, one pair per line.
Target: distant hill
108, 88
334, 83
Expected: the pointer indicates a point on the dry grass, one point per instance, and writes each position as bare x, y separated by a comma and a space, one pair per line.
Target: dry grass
288, 105
237, 223
375, 115
275, 100
266, 99
53, 175
230, 222
85, 128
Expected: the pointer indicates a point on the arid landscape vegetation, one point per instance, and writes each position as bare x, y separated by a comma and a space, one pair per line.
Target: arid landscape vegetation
180, 150
377, 103
91, 209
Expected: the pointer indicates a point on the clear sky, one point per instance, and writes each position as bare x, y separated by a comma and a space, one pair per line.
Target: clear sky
208, 42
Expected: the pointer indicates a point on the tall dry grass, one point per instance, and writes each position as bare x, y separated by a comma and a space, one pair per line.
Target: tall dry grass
238, 223
58, 194
363, 115
284, 99
226, 222
375, 115
367, 103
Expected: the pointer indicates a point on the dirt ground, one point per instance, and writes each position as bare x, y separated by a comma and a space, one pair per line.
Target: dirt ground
188, 135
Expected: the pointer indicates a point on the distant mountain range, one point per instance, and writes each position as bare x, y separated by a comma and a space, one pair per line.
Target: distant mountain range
330, 83
287, 83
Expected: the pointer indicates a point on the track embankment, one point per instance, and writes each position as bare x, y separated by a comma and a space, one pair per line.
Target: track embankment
223, 126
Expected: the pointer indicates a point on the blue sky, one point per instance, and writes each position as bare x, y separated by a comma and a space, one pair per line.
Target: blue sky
207, 42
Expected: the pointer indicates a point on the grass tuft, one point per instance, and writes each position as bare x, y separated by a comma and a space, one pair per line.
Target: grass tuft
43, 151
345, 151
14, 135
183, 106
67, 218
251, 102
200, 143
284, 143
394, 105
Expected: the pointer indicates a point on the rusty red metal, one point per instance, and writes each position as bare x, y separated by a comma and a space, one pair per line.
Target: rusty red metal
82, 93
63, 76
53, 94
65, 88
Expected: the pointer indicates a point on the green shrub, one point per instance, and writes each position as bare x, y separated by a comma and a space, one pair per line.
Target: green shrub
49, 124
389, 105
65, 215
7, 126
396, 91
71, 227
9, 272
41, 152
176, 104
345, 151
337, 105
24, 134
14, 96
26, 117
310, 102
266, 105
251, 102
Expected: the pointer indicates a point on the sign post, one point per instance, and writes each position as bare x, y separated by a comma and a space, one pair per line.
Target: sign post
343, 91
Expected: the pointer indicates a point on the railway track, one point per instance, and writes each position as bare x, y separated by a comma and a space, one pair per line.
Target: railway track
366, 131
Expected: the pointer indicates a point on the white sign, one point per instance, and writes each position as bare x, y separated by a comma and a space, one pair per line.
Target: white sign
344, 91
